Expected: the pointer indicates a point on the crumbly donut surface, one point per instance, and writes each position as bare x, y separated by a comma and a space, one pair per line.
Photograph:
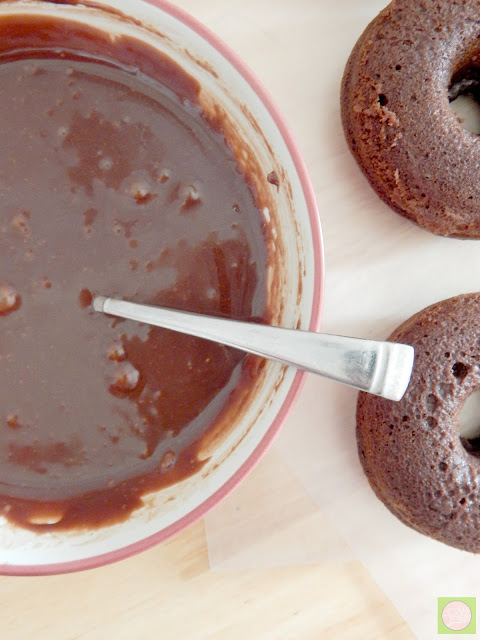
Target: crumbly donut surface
411, 450
396, 114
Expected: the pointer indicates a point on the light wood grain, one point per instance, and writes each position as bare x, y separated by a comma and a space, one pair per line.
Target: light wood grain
169, 592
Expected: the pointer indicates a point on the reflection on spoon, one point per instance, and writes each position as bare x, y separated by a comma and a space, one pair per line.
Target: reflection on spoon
381, 368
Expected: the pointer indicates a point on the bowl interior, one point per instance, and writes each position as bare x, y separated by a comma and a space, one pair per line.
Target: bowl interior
262, 145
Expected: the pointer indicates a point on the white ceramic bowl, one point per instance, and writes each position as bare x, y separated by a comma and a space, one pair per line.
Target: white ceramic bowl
295, 292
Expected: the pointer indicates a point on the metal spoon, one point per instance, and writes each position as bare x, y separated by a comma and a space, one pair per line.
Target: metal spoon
381, 368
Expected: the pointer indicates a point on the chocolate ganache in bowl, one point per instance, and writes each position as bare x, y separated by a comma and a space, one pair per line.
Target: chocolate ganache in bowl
140, 159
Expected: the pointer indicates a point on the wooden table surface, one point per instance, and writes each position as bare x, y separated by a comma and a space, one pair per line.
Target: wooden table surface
170, 592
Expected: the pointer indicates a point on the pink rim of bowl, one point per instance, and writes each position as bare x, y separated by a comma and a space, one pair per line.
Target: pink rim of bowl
296, 386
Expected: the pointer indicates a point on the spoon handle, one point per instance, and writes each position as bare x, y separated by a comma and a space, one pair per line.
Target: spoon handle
381, 368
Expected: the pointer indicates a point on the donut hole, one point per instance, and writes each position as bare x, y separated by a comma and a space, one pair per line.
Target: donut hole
464, 98
469, 418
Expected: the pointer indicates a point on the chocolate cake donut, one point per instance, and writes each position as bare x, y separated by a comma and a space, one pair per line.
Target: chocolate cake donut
411, 451
410, 62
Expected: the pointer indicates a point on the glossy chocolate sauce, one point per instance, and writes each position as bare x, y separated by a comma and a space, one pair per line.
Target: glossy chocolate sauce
111, 182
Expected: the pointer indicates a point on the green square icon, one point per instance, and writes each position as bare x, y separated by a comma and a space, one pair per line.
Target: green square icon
457, 615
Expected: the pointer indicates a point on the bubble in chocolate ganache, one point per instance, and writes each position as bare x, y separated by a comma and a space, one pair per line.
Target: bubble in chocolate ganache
168, 461
41, 519
191, 196
20, 224
10, 300
105, 164
125, 379
116, 351
12, 421
211, 293
163, 175
139, 189
273, 179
